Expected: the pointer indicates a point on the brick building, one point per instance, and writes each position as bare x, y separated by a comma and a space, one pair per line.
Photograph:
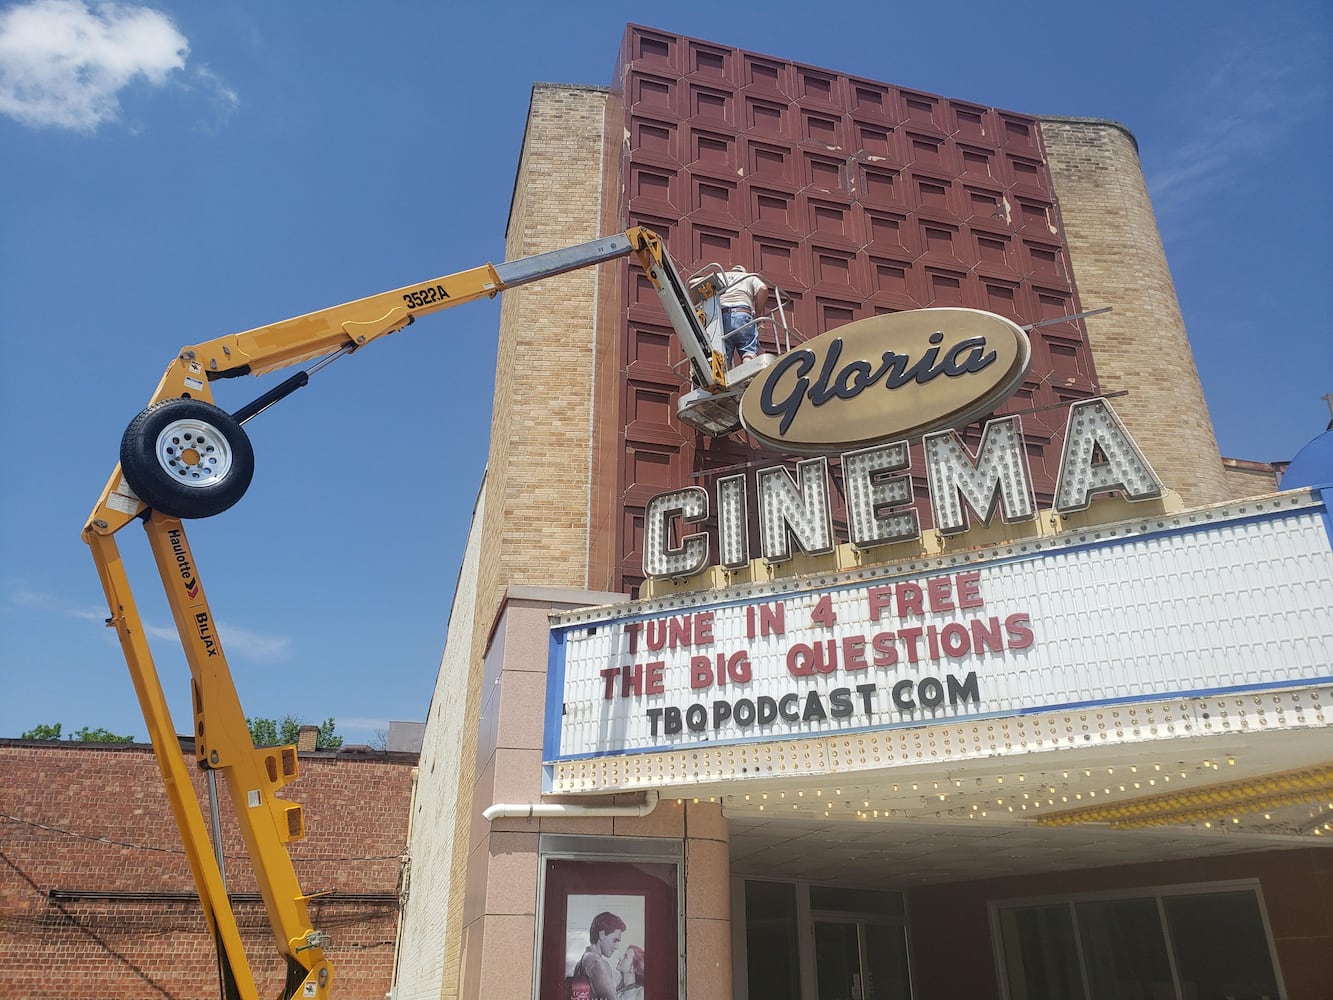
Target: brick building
97, 901
1090, 815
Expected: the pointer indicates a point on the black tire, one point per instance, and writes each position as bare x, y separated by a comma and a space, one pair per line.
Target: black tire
186, 458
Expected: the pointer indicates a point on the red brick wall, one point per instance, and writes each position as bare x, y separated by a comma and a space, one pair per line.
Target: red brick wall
82, 820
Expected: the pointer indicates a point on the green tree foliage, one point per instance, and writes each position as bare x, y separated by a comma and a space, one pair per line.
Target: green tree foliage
270, 732
100, 735
84, 734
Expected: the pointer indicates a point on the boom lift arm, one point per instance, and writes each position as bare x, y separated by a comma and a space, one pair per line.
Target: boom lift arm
183, 457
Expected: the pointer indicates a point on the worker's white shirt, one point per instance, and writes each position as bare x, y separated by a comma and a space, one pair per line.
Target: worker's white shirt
740, 293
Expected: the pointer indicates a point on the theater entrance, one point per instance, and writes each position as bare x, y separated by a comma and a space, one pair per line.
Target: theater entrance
812, 942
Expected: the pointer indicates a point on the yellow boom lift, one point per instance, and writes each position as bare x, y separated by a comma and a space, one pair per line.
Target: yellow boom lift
184, 457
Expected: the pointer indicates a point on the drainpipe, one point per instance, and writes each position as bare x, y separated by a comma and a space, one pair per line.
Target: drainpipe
405, 889
529, 810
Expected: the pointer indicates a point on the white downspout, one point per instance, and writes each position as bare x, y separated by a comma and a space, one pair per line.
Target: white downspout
529, 810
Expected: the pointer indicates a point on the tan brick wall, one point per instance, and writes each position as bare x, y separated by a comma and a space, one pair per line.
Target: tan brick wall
536, 516
1141, 346
430, 916
84, 820
1249, 479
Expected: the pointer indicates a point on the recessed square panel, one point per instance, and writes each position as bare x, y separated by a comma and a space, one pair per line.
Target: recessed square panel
1001, 297
708, 62
832, 267
824, 130
713, 150
653, 139
872, 140
922, 110
823, 172
1034, 217
652, 96
886, 230
830, 219
879, 185
816, 87
940, 240
984, 205
767, 117
872, 100
978, 163
713, 197
892, 278
652, 348
654, 185
833, 313
771, 208
1045, 261
776, 259
762, 75
1018, 132
926, 150
970, 122
770, 164
1053, 304
992, 249
713, 245
932, 194
709, 104
652, 467
650, 404
945, 288
649, 48
1025, 172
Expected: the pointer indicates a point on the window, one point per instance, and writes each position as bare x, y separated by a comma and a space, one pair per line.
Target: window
1177, 943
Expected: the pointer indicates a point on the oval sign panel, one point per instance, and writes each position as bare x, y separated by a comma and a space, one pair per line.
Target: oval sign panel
886, 378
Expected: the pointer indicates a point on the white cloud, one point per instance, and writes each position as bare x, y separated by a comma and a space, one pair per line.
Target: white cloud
32, 600
63, 63
239, 643
243, 643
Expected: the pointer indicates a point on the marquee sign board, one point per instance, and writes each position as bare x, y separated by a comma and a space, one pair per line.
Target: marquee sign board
1219, 604
886, 378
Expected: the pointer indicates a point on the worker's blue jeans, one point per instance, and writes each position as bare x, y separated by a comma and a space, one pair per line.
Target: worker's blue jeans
739, 332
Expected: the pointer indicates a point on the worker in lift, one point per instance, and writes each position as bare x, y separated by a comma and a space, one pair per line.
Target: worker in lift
741, 299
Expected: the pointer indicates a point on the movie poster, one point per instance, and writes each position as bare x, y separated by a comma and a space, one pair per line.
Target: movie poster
604, 944
610, 931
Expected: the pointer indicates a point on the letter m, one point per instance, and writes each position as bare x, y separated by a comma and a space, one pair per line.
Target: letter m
996, 476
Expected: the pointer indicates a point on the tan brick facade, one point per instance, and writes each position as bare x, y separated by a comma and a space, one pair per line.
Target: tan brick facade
536, 511
1140, 347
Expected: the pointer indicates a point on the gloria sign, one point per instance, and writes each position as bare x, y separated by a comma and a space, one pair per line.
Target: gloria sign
1239, 602
886, 377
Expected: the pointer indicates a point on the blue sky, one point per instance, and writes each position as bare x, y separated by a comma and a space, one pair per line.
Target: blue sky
175, 172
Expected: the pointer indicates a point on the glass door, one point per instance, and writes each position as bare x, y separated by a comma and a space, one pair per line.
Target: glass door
860, 960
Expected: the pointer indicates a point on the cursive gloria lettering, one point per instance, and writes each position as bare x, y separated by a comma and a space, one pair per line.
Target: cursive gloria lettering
849, 381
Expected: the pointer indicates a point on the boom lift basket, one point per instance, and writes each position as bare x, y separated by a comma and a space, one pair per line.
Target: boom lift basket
717, 412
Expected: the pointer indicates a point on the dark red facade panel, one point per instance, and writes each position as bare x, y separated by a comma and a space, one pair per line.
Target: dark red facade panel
855, 198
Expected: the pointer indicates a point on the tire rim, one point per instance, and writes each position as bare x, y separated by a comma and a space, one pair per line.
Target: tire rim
193, 453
